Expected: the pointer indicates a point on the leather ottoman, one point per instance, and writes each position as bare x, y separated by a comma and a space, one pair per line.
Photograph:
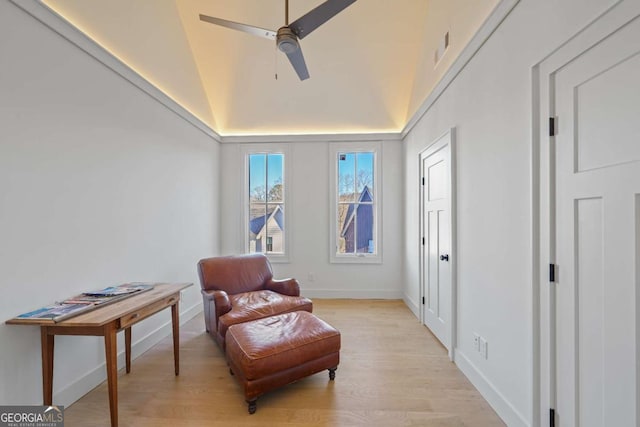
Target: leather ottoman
268, 353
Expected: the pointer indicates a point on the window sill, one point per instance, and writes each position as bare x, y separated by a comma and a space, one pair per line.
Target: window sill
278, 258
356, 259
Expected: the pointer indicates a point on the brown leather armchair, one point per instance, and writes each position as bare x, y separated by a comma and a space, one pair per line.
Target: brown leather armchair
241, 288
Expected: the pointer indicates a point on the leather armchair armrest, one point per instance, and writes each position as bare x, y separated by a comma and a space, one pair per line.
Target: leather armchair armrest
289, 287
220, 300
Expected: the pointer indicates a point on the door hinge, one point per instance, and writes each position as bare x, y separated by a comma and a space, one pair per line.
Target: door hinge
423, 241
552, 417
552, 273
552, 126
423, 180
423, 301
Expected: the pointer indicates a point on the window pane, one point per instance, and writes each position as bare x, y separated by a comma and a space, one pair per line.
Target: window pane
274, 233
364, 229
257, 215
266, 203
364, 177
355, 216
257, 178
275, 187
342, 230
346, 177
266, 228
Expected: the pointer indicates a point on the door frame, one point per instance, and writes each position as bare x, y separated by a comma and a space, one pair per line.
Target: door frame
543, 206
447, 139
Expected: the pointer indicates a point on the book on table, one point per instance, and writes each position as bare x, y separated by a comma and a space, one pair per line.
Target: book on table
56, 312
84, 302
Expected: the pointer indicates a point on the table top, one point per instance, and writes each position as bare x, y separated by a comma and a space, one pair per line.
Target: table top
100, 316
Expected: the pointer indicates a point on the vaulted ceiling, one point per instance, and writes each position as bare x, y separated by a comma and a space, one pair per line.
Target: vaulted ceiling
371, 66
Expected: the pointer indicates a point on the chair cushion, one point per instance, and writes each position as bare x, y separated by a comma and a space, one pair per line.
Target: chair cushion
255, 305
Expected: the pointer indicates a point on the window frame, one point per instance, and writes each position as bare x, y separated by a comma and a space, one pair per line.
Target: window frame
335, 149
270, 148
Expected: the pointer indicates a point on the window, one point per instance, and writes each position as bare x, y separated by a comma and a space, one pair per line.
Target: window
355, 203
265, 204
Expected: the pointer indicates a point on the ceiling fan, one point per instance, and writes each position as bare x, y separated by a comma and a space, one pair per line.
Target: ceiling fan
287, 37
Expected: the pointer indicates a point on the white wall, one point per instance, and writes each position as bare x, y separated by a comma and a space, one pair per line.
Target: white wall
149, 37
490, 105
99, 184
308, 217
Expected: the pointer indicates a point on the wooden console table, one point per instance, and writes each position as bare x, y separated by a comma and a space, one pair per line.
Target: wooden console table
107, 321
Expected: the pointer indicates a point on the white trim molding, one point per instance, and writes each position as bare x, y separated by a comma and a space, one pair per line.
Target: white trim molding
354, 147
543, 192
94, 377
285, 150
62, 27
351, 294
493, 21
58, 24
500, 403
445, 141
321, 137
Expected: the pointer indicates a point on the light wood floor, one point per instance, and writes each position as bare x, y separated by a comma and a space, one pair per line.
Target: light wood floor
392, 372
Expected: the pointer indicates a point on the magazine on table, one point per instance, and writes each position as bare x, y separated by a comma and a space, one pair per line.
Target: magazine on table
84, 302
56, 312
126, 289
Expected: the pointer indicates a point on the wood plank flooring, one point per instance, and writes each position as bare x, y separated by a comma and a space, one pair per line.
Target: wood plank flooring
393, 372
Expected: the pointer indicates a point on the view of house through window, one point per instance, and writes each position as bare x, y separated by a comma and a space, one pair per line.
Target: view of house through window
356, 221
266, 203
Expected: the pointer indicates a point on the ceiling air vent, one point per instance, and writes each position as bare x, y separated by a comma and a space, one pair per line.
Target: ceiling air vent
442, 48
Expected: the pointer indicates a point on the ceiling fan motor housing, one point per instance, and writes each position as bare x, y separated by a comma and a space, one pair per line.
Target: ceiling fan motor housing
286, 40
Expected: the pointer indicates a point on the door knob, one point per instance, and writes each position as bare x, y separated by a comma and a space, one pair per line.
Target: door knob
444, 257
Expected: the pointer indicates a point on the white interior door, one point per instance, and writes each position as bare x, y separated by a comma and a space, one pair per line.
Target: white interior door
597, 98
436, 241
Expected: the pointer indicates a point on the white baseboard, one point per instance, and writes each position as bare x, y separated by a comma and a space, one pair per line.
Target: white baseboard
93, 378
413, 306
498, 402
351, 294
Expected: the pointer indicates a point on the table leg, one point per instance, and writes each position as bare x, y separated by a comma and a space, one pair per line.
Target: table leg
110, 347
176, 337
127, 347
46, 343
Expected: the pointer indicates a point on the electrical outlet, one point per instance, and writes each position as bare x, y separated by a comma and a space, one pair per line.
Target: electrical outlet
484, 348
476, 341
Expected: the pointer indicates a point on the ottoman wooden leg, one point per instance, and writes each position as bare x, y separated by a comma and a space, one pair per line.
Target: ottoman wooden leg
252, 405
332, 373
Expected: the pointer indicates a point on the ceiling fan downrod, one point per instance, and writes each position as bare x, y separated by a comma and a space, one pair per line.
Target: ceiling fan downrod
287, 36
286, 39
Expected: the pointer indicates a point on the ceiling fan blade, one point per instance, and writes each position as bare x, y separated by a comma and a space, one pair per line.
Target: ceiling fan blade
304, 25
297, 60
256, 31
